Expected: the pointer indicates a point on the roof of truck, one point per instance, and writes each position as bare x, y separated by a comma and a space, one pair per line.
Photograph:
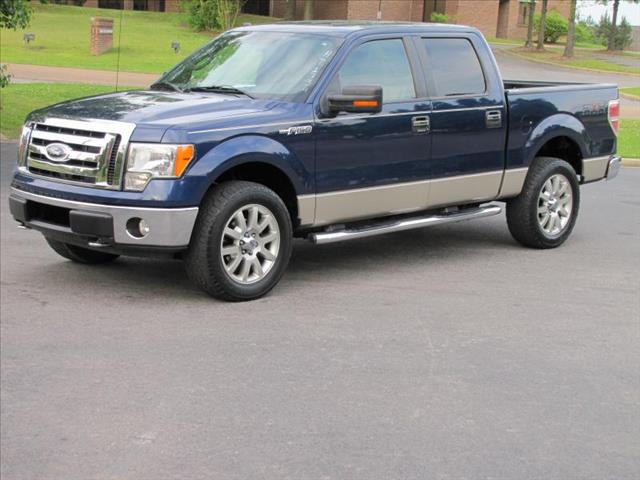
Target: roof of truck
343, 28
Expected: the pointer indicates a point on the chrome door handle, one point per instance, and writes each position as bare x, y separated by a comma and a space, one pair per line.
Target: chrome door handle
494, 119
420, 124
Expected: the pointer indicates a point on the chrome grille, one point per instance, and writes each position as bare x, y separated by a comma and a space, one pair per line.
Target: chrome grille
93, 152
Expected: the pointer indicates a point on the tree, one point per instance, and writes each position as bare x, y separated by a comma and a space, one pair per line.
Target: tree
290, 11
571, 34
541, 28
531, 14
611, 44
15, 14
308, 9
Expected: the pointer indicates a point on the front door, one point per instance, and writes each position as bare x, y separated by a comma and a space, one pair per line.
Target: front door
370, 165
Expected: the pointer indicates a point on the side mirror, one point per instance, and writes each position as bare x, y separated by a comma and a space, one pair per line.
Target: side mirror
356, 99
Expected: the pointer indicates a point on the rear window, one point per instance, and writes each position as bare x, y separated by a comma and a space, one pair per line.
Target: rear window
455, 67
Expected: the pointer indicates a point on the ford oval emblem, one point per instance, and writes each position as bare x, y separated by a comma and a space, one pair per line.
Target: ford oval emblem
57, 152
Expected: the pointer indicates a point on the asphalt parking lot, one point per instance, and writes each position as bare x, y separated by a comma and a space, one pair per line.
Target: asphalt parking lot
448, 352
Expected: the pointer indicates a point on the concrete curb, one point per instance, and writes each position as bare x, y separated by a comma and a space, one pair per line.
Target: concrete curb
509, 51
631, 162
629, 96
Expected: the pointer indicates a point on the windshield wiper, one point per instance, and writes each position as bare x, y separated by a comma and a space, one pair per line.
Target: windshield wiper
219, 89
166, 86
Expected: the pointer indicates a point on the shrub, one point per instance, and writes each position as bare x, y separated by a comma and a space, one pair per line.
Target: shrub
555, 26
212, 14
440, 18
622, 37
5, 78
584, 33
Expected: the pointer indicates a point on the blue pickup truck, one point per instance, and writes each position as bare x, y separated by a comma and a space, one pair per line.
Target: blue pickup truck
327, 131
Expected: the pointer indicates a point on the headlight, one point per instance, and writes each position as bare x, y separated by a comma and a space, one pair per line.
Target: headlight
152, 160
23, 145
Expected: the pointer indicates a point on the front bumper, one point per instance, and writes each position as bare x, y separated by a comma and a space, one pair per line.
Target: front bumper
95, 225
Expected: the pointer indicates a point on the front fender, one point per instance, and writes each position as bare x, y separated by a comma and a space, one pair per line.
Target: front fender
253, 148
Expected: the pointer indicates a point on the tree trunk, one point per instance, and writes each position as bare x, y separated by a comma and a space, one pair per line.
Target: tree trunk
571, 34
612, 32
532, 10
308, 10
290, 12
541, 30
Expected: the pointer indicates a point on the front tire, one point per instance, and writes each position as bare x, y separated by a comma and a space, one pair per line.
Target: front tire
545, 212
79, 254
241, 243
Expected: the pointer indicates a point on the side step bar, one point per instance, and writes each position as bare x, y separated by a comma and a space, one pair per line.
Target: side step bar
399, 225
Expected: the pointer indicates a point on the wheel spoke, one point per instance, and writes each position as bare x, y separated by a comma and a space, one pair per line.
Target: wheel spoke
563, 187
544, 219
542, 209
245, 269
266, 219
233, 233
267, 255
253, 218
233, 266
240, 220
257, 267
231, 250
268, 238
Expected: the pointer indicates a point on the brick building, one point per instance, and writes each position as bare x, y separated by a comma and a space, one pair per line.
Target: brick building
495, 18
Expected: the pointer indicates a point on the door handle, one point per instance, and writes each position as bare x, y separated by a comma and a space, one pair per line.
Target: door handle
420, 124
494, 119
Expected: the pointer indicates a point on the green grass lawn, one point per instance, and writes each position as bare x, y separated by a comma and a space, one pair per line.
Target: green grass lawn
634, 91
583, 59
19, 99
62, 39
629, 138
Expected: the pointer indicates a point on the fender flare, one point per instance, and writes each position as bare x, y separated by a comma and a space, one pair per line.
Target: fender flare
558, 125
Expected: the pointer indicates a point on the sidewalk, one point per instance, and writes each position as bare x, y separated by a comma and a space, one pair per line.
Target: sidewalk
39, 73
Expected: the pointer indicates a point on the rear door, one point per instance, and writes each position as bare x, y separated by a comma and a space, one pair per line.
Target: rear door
468, 119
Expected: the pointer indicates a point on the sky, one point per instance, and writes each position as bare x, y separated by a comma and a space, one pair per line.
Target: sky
592, 8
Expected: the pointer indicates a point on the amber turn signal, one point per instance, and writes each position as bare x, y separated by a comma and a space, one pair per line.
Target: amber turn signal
184, 155
365, 103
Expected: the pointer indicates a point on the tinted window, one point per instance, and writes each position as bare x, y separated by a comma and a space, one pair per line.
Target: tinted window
381, 62
455, 67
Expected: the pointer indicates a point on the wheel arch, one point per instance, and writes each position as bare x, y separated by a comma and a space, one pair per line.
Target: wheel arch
258, 159
561, 136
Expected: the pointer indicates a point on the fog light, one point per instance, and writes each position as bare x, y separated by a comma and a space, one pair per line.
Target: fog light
137, 227
143, 227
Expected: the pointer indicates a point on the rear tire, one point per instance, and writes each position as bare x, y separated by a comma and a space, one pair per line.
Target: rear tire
79, 254
545, 212
241, 243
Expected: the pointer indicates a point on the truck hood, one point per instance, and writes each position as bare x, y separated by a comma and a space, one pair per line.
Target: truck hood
155, 111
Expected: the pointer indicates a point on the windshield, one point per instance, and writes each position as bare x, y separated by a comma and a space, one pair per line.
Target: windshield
276, 65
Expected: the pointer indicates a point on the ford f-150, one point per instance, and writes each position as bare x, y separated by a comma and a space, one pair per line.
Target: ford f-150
328, 131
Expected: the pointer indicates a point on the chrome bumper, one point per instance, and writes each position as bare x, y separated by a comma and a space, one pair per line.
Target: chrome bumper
103, 225
613, 168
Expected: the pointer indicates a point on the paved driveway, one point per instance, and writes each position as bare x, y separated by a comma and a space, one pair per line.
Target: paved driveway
443, 353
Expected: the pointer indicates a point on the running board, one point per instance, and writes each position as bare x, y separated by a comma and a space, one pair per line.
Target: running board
400, 225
